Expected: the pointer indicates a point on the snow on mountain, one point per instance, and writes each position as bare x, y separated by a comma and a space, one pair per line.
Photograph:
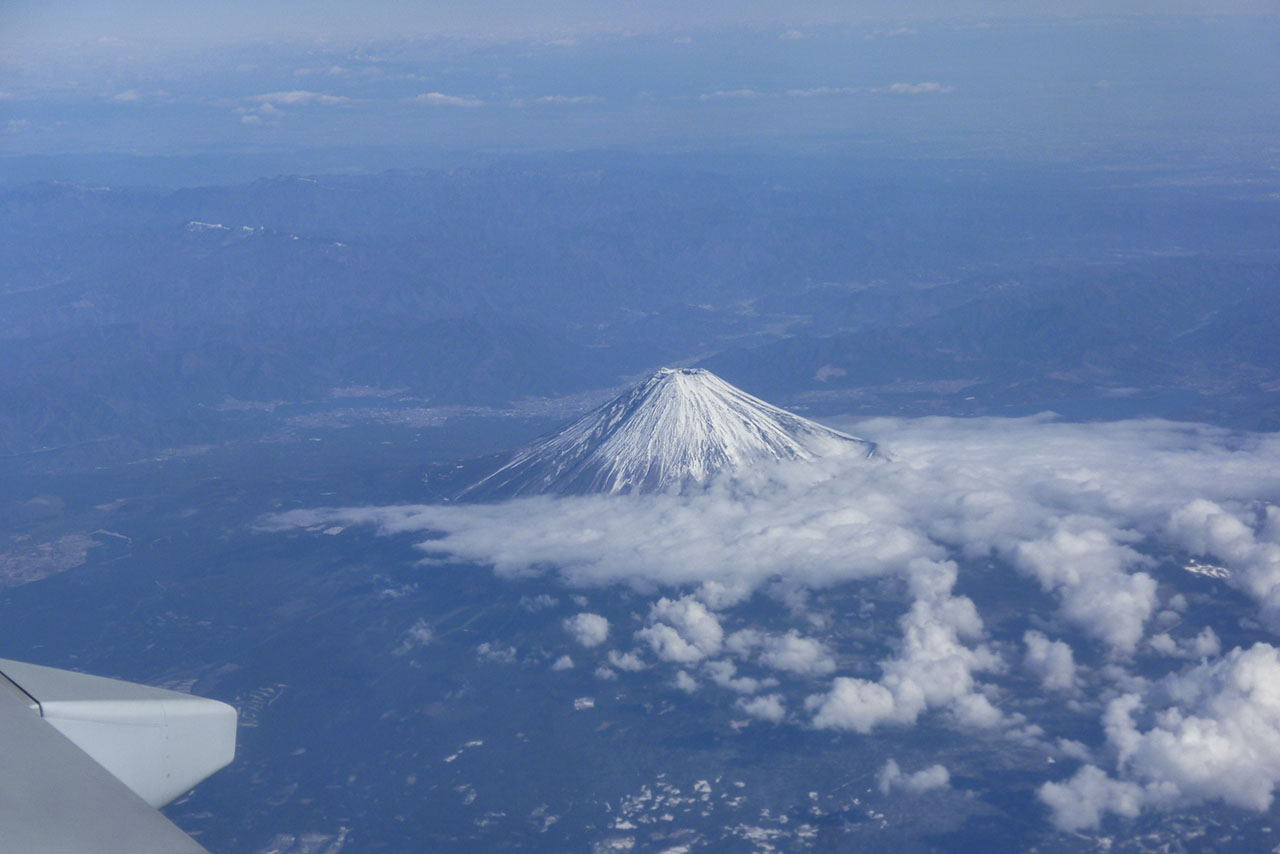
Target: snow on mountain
674, 431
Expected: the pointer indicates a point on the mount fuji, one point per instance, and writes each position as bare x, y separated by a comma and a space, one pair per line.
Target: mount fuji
671, 433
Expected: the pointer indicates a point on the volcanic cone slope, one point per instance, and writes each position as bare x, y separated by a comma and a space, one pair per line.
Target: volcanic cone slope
672, 432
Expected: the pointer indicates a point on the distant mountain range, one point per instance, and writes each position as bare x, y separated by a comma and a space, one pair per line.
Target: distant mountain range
673, 432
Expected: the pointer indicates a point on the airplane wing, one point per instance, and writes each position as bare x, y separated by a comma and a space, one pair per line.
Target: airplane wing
87, 761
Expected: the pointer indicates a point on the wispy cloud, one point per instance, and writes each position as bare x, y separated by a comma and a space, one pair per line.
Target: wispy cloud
340, 71
439, 99
418, 635
896, 32
298, 97
914, 89
821, 91
568, 99
750, 94
556, 100
732, 94
264, 113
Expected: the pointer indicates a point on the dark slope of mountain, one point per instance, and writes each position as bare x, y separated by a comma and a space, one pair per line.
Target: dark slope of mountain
674, 431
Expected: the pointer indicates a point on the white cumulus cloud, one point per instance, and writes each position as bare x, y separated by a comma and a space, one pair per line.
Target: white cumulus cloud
1199, 647
725, 674
685, 682
1244, 536
768, 708
933, 668
892, 777
1210, 733
1080, 802
682, 630
588, 629
796, 654
1052, 660
628, 661
791, 651
1086, 562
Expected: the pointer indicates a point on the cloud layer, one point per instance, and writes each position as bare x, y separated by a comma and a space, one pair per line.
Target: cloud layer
1089, 513
1075, 507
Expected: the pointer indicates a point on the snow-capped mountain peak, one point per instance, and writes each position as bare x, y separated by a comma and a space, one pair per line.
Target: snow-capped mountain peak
677, 429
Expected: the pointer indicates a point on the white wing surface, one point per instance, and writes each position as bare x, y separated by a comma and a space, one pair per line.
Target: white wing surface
87, 760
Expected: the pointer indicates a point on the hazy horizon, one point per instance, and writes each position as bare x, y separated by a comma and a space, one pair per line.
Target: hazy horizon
1071, 88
